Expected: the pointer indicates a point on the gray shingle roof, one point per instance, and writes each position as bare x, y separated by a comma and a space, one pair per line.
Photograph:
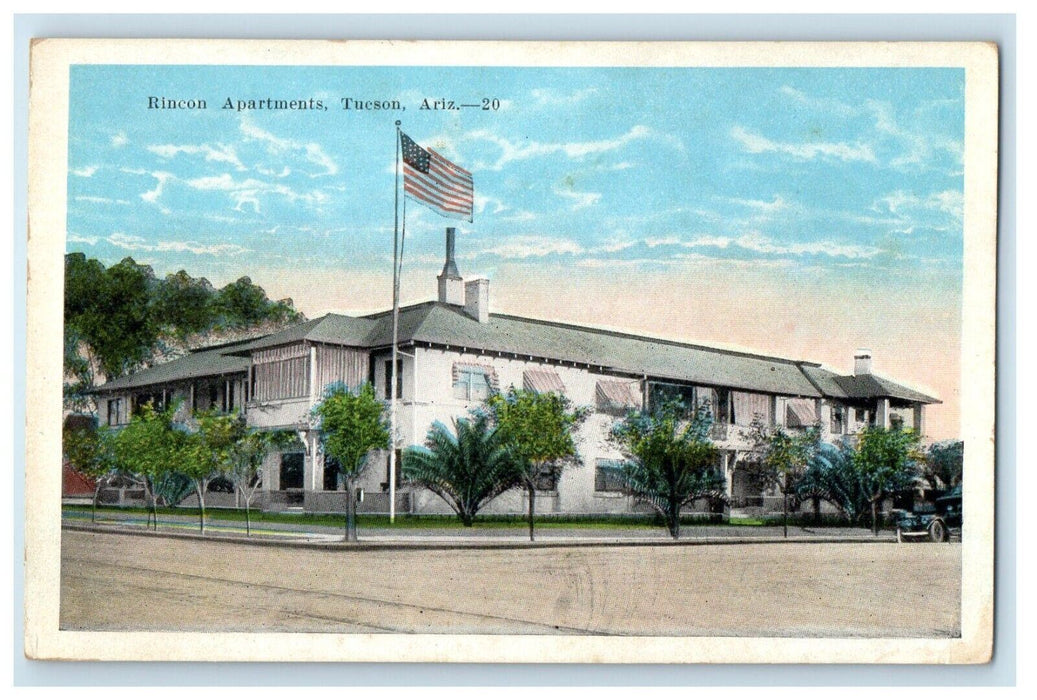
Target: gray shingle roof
331, 328
442, 324
447, 325
200, 363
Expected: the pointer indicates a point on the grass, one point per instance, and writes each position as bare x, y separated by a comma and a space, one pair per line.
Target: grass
451, 522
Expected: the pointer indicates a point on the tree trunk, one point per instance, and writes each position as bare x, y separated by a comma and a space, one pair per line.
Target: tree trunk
350, 510
875, 517
785, 507
532, 507
97, 494
150, 487
248, 522
200, 488
674, 519
817, 510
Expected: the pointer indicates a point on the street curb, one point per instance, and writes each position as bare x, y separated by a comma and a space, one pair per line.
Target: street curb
475, 545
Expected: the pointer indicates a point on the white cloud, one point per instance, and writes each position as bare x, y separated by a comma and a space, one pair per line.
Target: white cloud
920, 145
904, 204
824, 104
276, 145
755, 143
246, 192
521, 247
517, 151
220, 153
85, 171
482, 203
775, 205
99, 200
119, 140
581, 200
130, 242
76, 238
153, 195
759, 243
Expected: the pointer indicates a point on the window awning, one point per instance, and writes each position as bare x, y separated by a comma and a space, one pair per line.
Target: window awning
800, 413
542, 381
618, 394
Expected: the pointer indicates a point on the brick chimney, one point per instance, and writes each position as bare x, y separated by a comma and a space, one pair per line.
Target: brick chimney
862, 362
477, 299
451, 286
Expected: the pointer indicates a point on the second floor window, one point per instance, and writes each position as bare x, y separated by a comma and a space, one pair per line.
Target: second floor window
471, 384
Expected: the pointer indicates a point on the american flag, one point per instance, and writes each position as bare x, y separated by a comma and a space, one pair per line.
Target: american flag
430, 178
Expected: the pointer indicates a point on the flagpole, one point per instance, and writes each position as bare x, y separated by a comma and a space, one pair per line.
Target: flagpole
395, 334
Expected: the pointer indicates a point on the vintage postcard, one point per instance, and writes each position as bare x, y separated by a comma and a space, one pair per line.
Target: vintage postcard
522, 352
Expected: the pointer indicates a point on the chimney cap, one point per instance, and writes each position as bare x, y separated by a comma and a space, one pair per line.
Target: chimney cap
862, 352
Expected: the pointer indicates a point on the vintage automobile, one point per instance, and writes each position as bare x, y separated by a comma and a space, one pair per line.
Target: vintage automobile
937, 522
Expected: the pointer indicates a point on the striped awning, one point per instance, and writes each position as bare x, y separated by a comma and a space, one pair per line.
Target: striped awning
800, 413
542, 381
618, 394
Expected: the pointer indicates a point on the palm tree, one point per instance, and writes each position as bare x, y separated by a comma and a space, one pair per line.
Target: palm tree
831, 477
468, 467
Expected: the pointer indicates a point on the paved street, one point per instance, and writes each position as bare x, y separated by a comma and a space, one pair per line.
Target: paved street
114, 581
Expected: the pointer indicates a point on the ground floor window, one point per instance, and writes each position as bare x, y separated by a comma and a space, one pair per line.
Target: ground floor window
332, 474
606, 476
292, 470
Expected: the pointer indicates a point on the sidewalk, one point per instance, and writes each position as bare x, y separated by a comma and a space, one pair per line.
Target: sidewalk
547, 534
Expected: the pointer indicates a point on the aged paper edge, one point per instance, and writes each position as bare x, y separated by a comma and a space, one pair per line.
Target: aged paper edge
48, 148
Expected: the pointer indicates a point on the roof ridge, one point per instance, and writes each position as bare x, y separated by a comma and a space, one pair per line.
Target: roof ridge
653, 339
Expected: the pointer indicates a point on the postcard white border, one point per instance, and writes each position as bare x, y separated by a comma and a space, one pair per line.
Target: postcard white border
48, 147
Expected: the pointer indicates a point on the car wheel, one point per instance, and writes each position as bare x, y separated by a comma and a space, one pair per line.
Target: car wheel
937, 531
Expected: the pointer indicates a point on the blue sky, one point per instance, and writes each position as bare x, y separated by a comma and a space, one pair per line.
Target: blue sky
795, 211
854, 168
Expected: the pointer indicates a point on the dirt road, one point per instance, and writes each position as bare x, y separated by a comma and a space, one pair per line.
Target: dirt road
121, 582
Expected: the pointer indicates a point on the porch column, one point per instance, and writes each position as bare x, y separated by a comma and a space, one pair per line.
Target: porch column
919, 419
882, 413
729, 474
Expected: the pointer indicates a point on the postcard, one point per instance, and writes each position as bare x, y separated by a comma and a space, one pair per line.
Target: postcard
511, 351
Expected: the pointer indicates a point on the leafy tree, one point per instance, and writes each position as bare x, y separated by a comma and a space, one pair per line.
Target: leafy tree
209, 453
783, 457
538, 430
242, 303
351, 424
886, 460
149, 448
250, 449
119, 326
184, 305
89, 449
467, 469
671, 460
942, 468
118, 317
